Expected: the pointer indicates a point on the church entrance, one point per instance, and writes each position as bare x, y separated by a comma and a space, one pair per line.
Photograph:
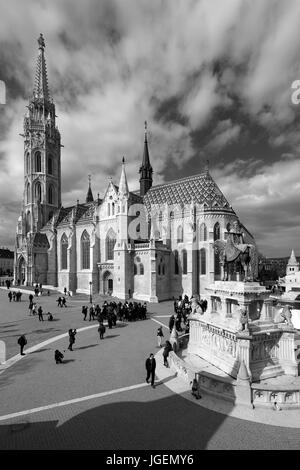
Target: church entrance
21, 271
108, 282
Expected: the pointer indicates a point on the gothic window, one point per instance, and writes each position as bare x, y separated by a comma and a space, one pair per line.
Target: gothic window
203, 232
28, 193
85, 250
28, 162
50, 194
184, 262
163, 269
217, 231
134, 269
159, 269
110, 244
202, 261
64, 251
28, 222
141, 269
180, 234
113, 208
176, 265
38, 191
37, 162
108, 209
50, 166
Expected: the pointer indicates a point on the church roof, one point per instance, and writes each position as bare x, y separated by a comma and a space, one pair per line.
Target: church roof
199, 189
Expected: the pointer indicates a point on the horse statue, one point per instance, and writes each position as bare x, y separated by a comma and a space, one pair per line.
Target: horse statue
234, 252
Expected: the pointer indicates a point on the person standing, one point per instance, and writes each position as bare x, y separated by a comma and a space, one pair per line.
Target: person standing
59, 301
150, 368
22, 341
40, 313
167, 349
91, 313
72, 334
64, 302
101, 330
159, 336
9, 296
171, 322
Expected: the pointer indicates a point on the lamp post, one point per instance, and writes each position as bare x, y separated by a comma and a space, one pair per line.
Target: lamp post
91, 300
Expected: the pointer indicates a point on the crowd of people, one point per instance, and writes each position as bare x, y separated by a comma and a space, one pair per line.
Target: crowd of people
15, 296
113, 311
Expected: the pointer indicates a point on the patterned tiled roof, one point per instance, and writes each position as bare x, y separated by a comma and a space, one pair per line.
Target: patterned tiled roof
201, 189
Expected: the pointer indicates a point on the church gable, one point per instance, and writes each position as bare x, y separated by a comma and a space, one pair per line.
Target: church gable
108, 205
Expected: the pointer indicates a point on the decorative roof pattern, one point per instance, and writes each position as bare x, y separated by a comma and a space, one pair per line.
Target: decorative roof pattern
199, 189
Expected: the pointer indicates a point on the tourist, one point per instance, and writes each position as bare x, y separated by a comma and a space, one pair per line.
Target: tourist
171, 322
58, 356
195, 389
72, 334
92, 313
150, 368
59, 302
33, 309
63, 303
30, 308
9, 295
101, 330
65, 291
30, 298
166, 351
159, 336
50, 316
14, 296
40, 313
84, 311
22, 341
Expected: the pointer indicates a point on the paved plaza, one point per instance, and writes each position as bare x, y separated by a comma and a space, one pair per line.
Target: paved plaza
98, 399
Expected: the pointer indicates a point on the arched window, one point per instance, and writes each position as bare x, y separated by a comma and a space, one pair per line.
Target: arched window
85, 250
217, 231
184, 261
64, 252
28, 198
141, 269
28, 222
37, 162
50, 194
163, 269
113, 209
203, 232
38, 191
108, 209
176, 260
110, 244
159, 269
50, 165
203, 261
28, 162
217, 264
180, 234
134, 269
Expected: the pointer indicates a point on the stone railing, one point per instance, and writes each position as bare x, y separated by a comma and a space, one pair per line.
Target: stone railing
285, 397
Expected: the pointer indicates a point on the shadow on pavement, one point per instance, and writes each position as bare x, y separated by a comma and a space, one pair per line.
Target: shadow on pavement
86, 347
167, 423
110, 336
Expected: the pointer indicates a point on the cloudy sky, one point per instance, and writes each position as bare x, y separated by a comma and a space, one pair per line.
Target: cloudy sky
212, 78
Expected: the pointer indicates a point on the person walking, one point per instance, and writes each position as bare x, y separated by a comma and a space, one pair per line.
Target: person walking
150, 368
101, 330
63, 303
59, 301
72, 334
91, 313
22, 341
40, 313
160, 335
84, 311
167, 349
9, 295
171, 322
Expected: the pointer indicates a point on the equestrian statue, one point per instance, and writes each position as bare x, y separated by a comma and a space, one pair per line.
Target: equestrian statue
236, 255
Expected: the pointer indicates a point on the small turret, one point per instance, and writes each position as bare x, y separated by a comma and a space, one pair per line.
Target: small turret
123, 185
89, 195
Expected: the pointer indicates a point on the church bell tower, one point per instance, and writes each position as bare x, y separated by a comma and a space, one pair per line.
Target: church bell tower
42, 167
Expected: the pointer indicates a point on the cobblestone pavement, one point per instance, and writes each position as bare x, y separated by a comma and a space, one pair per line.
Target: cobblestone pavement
138, 417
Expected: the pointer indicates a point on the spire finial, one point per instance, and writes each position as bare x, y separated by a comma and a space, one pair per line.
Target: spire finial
146, 126
41, 42
123, 160
89, 179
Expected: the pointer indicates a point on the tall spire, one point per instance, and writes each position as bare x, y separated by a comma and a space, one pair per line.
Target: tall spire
146, 168
41, 89
123, 185
89, 195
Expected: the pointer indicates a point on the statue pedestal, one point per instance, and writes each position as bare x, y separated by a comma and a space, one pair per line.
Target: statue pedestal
265, 347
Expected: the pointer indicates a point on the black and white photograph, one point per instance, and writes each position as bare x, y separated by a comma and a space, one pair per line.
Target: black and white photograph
149, 228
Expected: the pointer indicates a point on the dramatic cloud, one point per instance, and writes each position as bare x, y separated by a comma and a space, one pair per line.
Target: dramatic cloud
212, 78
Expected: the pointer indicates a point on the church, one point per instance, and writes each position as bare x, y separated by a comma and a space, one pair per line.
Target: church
150, 244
